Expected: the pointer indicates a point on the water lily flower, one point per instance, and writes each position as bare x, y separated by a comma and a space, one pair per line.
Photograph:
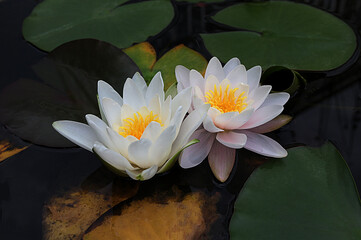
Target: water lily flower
240, 110
140, 134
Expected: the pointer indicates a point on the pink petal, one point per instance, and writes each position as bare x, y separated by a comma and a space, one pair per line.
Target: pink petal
238, 75
221, 160
209, 125
232, 139
276, 99
264, 145
230, 65
272, 125
195, 154
233, 120
196, 79
182, 75
259, 95
263, 115
215, 68
253, 77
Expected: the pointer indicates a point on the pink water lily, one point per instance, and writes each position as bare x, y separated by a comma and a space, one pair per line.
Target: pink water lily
240, 111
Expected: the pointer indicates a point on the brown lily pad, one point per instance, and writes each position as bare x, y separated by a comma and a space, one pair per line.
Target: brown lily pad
7, 149
182, 216
67, 216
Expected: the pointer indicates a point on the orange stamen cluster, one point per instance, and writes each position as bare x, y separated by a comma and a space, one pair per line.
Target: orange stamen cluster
136, 125
225, 100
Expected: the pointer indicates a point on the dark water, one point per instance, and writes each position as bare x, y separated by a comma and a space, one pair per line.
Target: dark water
328, 109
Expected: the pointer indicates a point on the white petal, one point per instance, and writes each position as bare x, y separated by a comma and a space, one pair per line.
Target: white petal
183, 99
112, 112
209, 125
156, 86
215, 68
238, 75
211, 81
195, 154
263, 115
127, 112
111, 157
223, 120
230, 65
232, 139
233, 120
221, 160
155, 105
177, 118
189, 125
197, 92
182, 76
79, 133
166, 111
132, 95
264, 145
160, 150
276, 99
142, 174
121, 143
213, 113
196, 79
152, 131
259, 95
105, 90
253, 77
139, 81
99, 128
138, 152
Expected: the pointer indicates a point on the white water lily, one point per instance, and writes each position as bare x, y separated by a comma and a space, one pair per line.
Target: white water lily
140, 134
240, 110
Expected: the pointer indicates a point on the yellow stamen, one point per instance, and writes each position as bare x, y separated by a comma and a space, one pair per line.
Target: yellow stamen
136, 125
225, 100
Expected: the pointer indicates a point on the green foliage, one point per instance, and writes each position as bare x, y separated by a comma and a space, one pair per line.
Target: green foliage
308, 195
54, 22
276, 33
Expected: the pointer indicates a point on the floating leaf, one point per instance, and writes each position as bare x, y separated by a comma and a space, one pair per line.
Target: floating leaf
69, 215
70, 73
308, 195
54, 22
179, 217
179, 55
276, 33
7, 150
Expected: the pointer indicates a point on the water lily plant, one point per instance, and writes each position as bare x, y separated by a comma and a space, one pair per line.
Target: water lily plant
240, 111
141, 133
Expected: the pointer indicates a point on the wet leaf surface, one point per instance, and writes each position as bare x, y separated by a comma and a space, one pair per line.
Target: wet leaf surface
53, 23
69, 214
179, 55
308, 195
286, 34
172, 215
7, 150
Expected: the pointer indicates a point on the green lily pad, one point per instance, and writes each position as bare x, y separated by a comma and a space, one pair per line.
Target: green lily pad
67, 90
179, 55
308, 195
275, 33
54, 22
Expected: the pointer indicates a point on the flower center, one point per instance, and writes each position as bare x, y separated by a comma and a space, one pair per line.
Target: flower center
136, 125
226, 100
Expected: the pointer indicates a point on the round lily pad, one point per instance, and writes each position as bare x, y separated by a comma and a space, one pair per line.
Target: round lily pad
276, 33
308, 195
54, 22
